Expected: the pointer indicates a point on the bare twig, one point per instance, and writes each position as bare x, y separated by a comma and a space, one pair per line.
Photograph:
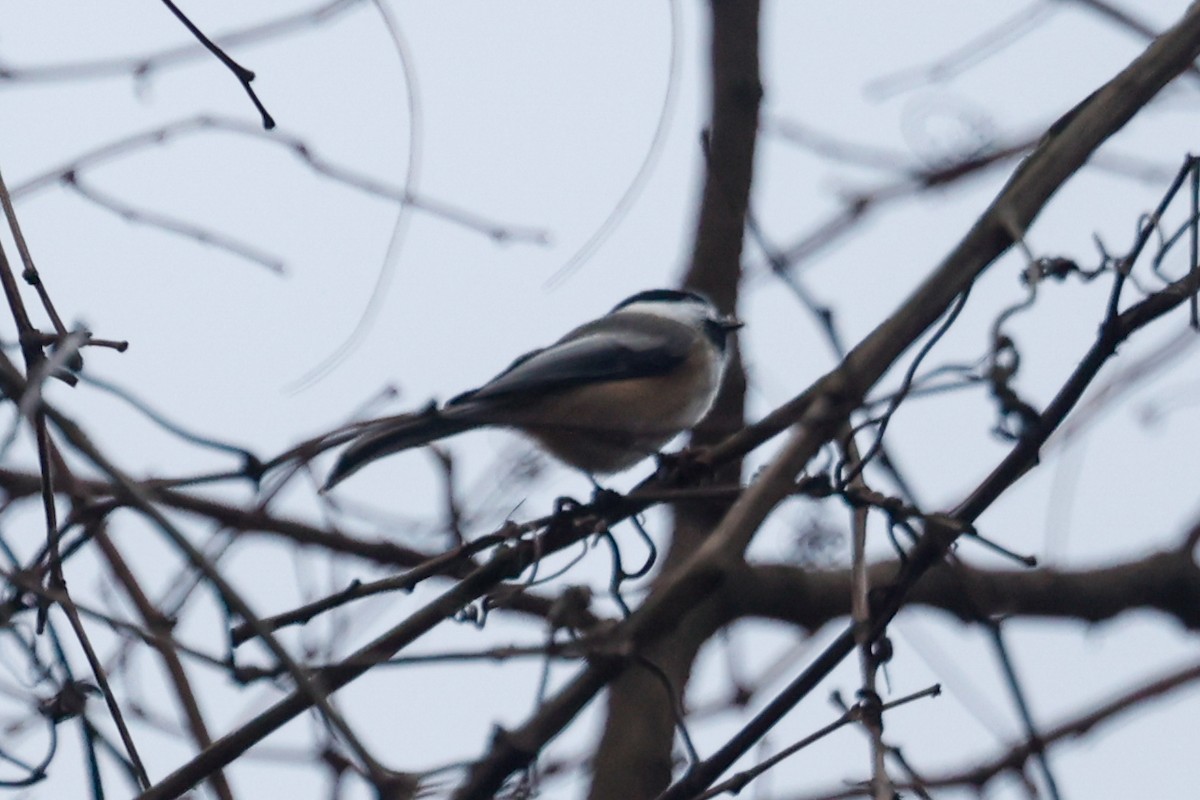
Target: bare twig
368, 184
140, 66
979, 776
735, 784
244, 76
154, 219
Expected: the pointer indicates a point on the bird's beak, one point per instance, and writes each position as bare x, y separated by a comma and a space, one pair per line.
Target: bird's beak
731, 324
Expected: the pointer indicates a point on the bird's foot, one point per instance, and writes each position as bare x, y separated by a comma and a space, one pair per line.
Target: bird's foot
605, 500
566, 506
688, 467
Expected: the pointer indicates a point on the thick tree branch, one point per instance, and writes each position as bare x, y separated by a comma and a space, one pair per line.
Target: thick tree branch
1167, 581
634, 757
1062, 151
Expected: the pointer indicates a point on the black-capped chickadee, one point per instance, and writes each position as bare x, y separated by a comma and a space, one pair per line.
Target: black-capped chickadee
602, 398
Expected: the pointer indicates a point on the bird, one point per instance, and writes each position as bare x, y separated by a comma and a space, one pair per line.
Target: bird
604, 397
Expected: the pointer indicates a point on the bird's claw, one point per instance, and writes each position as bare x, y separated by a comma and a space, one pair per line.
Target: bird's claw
564, 506
605, 500
689, 466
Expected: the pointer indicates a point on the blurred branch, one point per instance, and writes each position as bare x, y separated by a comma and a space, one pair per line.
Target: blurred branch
857, 205
705, 582
870, 704
633, 759
30, 273
965, 55
158, 626
833, 148
819, 412
154, 219
414, 161
1020, 698
645, 171
976, 778
855, 713
126, 146
1167, 582
1063, 150
139, 499
18, 484
1127, 21
1060, 153
141, 66
940, 534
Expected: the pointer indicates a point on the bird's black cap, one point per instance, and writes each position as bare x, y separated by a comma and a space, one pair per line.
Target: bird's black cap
664, 296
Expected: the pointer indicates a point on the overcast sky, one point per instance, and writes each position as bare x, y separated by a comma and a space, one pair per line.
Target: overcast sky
535, 118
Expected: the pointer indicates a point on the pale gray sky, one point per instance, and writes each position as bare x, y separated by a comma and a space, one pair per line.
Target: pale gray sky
537, 116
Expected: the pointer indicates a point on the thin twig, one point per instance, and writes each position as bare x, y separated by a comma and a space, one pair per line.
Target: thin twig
154, 219
243, 75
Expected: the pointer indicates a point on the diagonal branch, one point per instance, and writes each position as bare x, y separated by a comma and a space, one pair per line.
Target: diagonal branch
1061, 152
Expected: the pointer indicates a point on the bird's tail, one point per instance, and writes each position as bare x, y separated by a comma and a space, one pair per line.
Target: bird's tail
396, 435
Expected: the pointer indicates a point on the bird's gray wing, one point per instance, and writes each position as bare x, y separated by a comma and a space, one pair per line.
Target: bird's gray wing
645, 346
644, 349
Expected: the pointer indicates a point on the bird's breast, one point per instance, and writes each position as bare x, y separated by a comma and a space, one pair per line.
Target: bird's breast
607, 427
